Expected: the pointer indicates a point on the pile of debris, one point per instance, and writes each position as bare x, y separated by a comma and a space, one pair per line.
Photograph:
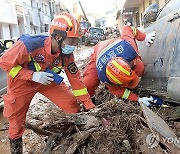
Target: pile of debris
116, 127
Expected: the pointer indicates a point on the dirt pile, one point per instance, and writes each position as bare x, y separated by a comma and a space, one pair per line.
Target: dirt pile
114, 130
118, 127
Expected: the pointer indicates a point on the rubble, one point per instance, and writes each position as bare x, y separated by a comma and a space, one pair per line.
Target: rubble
118, 127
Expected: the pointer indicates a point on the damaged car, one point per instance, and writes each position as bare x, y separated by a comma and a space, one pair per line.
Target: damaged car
3, 77
162, 59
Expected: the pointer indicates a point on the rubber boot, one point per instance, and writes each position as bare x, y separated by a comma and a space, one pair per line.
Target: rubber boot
16, 146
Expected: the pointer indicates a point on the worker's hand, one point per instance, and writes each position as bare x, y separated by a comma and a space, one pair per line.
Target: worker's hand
146, 100
150, 38
42, 77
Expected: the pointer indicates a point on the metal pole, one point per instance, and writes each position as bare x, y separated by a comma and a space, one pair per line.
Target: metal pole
83, 11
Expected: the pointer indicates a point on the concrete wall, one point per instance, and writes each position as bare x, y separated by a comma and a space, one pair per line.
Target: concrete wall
9, 31
37, 16
8, 12
5, 31
8, 20
31, 17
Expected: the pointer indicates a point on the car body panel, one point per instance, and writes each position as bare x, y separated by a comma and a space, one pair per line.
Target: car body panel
162, 58
3, 75
3, 82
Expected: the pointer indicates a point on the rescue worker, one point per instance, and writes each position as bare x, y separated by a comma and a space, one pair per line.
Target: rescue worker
26, 63
117, 64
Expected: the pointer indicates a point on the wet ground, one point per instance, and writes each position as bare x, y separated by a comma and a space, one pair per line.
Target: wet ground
4, 142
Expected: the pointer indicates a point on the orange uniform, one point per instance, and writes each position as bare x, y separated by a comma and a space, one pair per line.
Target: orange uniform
30, 54
104, 51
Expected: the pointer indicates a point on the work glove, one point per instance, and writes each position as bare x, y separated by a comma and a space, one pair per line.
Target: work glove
151, 101
42, 77
150, 38
146, 100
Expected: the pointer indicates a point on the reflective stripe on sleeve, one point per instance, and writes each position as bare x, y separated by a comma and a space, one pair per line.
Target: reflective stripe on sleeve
80, 92
126, 94
29, 58
134, 31
14, 71
37, 66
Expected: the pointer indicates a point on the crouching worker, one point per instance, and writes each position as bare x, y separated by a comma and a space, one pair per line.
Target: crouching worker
116, 63
31, 65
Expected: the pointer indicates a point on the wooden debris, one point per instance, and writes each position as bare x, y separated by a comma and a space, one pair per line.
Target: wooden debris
37, 129
83, 121
50, 143
158, 126
79, 140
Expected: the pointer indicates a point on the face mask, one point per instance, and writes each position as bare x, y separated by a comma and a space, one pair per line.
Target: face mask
68, 49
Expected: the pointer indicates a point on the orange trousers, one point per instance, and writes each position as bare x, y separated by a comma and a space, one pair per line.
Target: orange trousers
15, 108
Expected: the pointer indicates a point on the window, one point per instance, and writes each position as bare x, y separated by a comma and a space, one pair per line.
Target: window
53, 7
46, 27
45, 8
10, 30
137, 19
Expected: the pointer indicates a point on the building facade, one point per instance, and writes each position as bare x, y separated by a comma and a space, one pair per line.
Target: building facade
27, 17
8, 20
133, 10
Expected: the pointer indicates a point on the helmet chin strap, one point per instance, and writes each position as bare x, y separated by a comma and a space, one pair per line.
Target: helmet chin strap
59, 45
60, 41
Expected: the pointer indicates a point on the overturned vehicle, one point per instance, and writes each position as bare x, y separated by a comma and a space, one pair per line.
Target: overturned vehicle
162, 59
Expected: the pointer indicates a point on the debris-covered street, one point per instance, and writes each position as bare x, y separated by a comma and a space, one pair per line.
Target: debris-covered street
89, 77
117, 127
